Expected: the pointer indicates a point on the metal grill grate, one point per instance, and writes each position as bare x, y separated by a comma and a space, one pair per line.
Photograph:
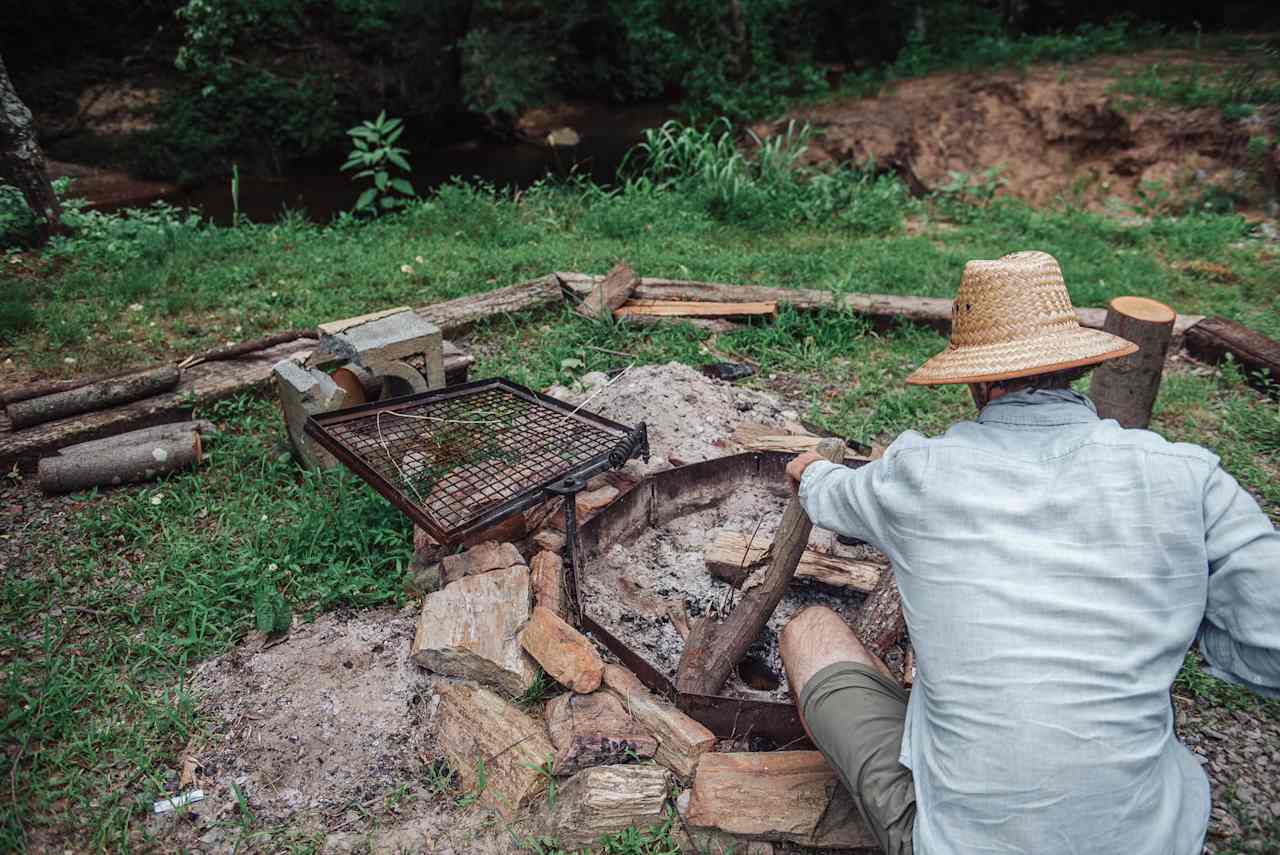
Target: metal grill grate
465, 457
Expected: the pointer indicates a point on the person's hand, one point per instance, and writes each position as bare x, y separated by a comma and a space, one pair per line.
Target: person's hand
795, 469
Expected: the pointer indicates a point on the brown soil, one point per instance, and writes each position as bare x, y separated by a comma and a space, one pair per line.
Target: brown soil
1056, 131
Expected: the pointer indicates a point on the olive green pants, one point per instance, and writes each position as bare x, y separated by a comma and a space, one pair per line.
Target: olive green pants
855, 715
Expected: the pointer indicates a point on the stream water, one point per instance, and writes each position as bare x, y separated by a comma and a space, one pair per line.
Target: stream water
605, 135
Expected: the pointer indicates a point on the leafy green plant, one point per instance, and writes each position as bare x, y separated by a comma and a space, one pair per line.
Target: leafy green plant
272, 613
545, 770
376, 157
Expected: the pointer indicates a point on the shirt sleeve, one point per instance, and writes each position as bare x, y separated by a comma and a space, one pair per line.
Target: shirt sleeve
1240, 635
843, 500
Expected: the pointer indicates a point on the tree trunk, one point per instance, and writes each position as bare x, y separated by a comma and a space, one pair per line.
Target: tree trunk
1125, 389
123, 464
22, 162
97, 396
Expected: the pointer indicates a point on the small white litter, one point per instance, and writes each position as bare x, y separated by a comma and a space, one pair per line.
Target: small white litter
166, 805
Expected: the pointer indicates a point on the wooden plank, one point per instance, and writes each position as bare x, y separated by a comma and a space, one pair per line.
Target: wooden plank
694, 309
732, 555
789, 443
454, 317
610, 293
882, 309
1213, 338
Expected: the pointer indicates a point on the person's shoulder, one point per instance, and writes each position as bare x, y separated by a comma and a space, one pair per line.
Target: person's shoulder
1109, 432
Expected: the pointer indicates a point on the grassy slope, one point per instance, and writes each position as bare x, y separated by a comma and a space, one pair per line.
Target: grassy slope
114, 606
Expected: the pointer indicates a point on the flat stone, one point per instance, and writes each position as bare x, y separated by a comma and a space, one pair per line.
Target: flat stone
306, 392
681, 740
785, 796
549, 540
562, 651
593, 500
481, 558
547, 571
483, 736
605, 800
469, 630
594, 730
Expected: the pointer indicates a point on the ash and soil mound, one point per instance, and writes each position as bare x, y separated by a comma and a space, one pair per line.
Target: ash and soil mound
1057, 132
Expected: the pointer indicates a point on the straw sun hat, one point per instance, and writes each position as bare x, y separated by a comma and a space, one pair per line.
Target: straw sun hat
1013, 318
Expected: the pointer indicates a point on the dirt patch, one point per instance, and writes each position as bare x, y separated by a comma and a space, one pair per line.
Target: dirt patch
1056, 132
325, 735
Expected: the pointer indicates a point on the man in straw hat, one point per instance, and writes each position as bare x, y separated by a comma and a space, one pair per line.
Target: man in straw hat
1054, 568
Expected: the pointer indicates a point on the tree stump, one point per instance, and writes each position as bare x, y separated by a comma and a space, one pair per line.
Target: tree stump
1125, 389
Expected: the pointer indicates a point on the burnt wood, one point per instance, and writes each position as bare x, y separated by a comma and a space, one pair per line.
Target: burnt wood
712, 649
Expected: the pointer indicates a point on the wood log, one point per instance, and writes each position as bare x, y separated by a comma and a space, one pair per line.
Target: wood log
25, 392
692, 309
789, 443
1125, 389
95, 396
733, 556
880, 623
493, 747
610, 293
789, 796
594, 730
681, 740
1213, 338
232, 351
173, 430
122, 464
606, 800
454, 317
713, 650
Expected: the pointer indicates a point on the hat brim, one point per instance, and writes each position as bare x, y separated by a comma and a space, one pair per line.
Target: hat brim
1007, 360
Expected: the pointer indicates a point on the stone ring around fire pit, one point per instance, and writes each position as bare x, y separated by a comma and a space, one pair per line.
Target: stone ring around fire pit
659, 556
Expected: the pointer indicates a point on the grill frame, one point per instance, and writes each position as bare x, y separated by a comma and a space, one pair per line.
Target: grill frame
319, 427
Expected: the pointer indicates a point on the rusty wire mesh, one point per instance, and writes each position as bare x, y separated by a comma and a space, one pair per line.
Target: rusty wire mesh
458, 459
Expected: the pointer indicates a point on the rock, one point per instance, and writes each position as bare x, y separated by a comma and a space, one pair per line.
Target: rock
681, 740
477, 730
592, 379
788, 796
605, 800
469, 630
547, 572
595, 730
549, 540
590, 501
422, 578
481, 558
562, 651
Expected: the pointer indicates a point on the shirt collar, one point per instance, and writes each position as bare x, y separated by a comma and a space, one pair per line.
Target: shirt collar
1042, 407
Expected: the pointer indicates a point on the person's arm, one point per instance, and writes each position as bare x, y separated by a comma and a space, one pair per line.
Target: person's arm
1240, 635
836, 497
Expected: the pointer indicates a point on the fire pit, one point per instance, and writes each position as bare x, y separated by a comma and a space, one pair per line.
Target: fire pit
643, 571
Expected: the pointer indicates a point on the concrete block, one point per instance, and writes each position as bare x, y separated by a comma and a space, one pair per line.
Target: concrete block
306, 392
380, 338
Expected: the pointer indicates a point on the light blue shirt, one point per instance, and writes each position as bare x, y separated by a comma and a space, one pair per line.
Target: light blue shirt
1054, 569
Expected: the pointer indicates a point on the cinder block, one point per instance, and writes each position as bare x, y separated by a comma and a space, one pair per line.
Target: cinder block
304, 392
379, 339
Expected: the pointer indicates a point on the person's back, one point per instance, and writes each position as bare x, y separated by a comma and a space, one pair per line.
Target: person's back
1054, 570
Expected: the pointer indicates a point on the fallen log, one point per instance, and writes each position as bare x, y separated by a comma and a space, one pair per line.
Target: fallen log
693, 309
611, 293
733, 556
454, 317
1125, 389
712, 649
1213, 339
882, 309
172, 430
13, 394
123, 464
95, 396
231, 351
880, 623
